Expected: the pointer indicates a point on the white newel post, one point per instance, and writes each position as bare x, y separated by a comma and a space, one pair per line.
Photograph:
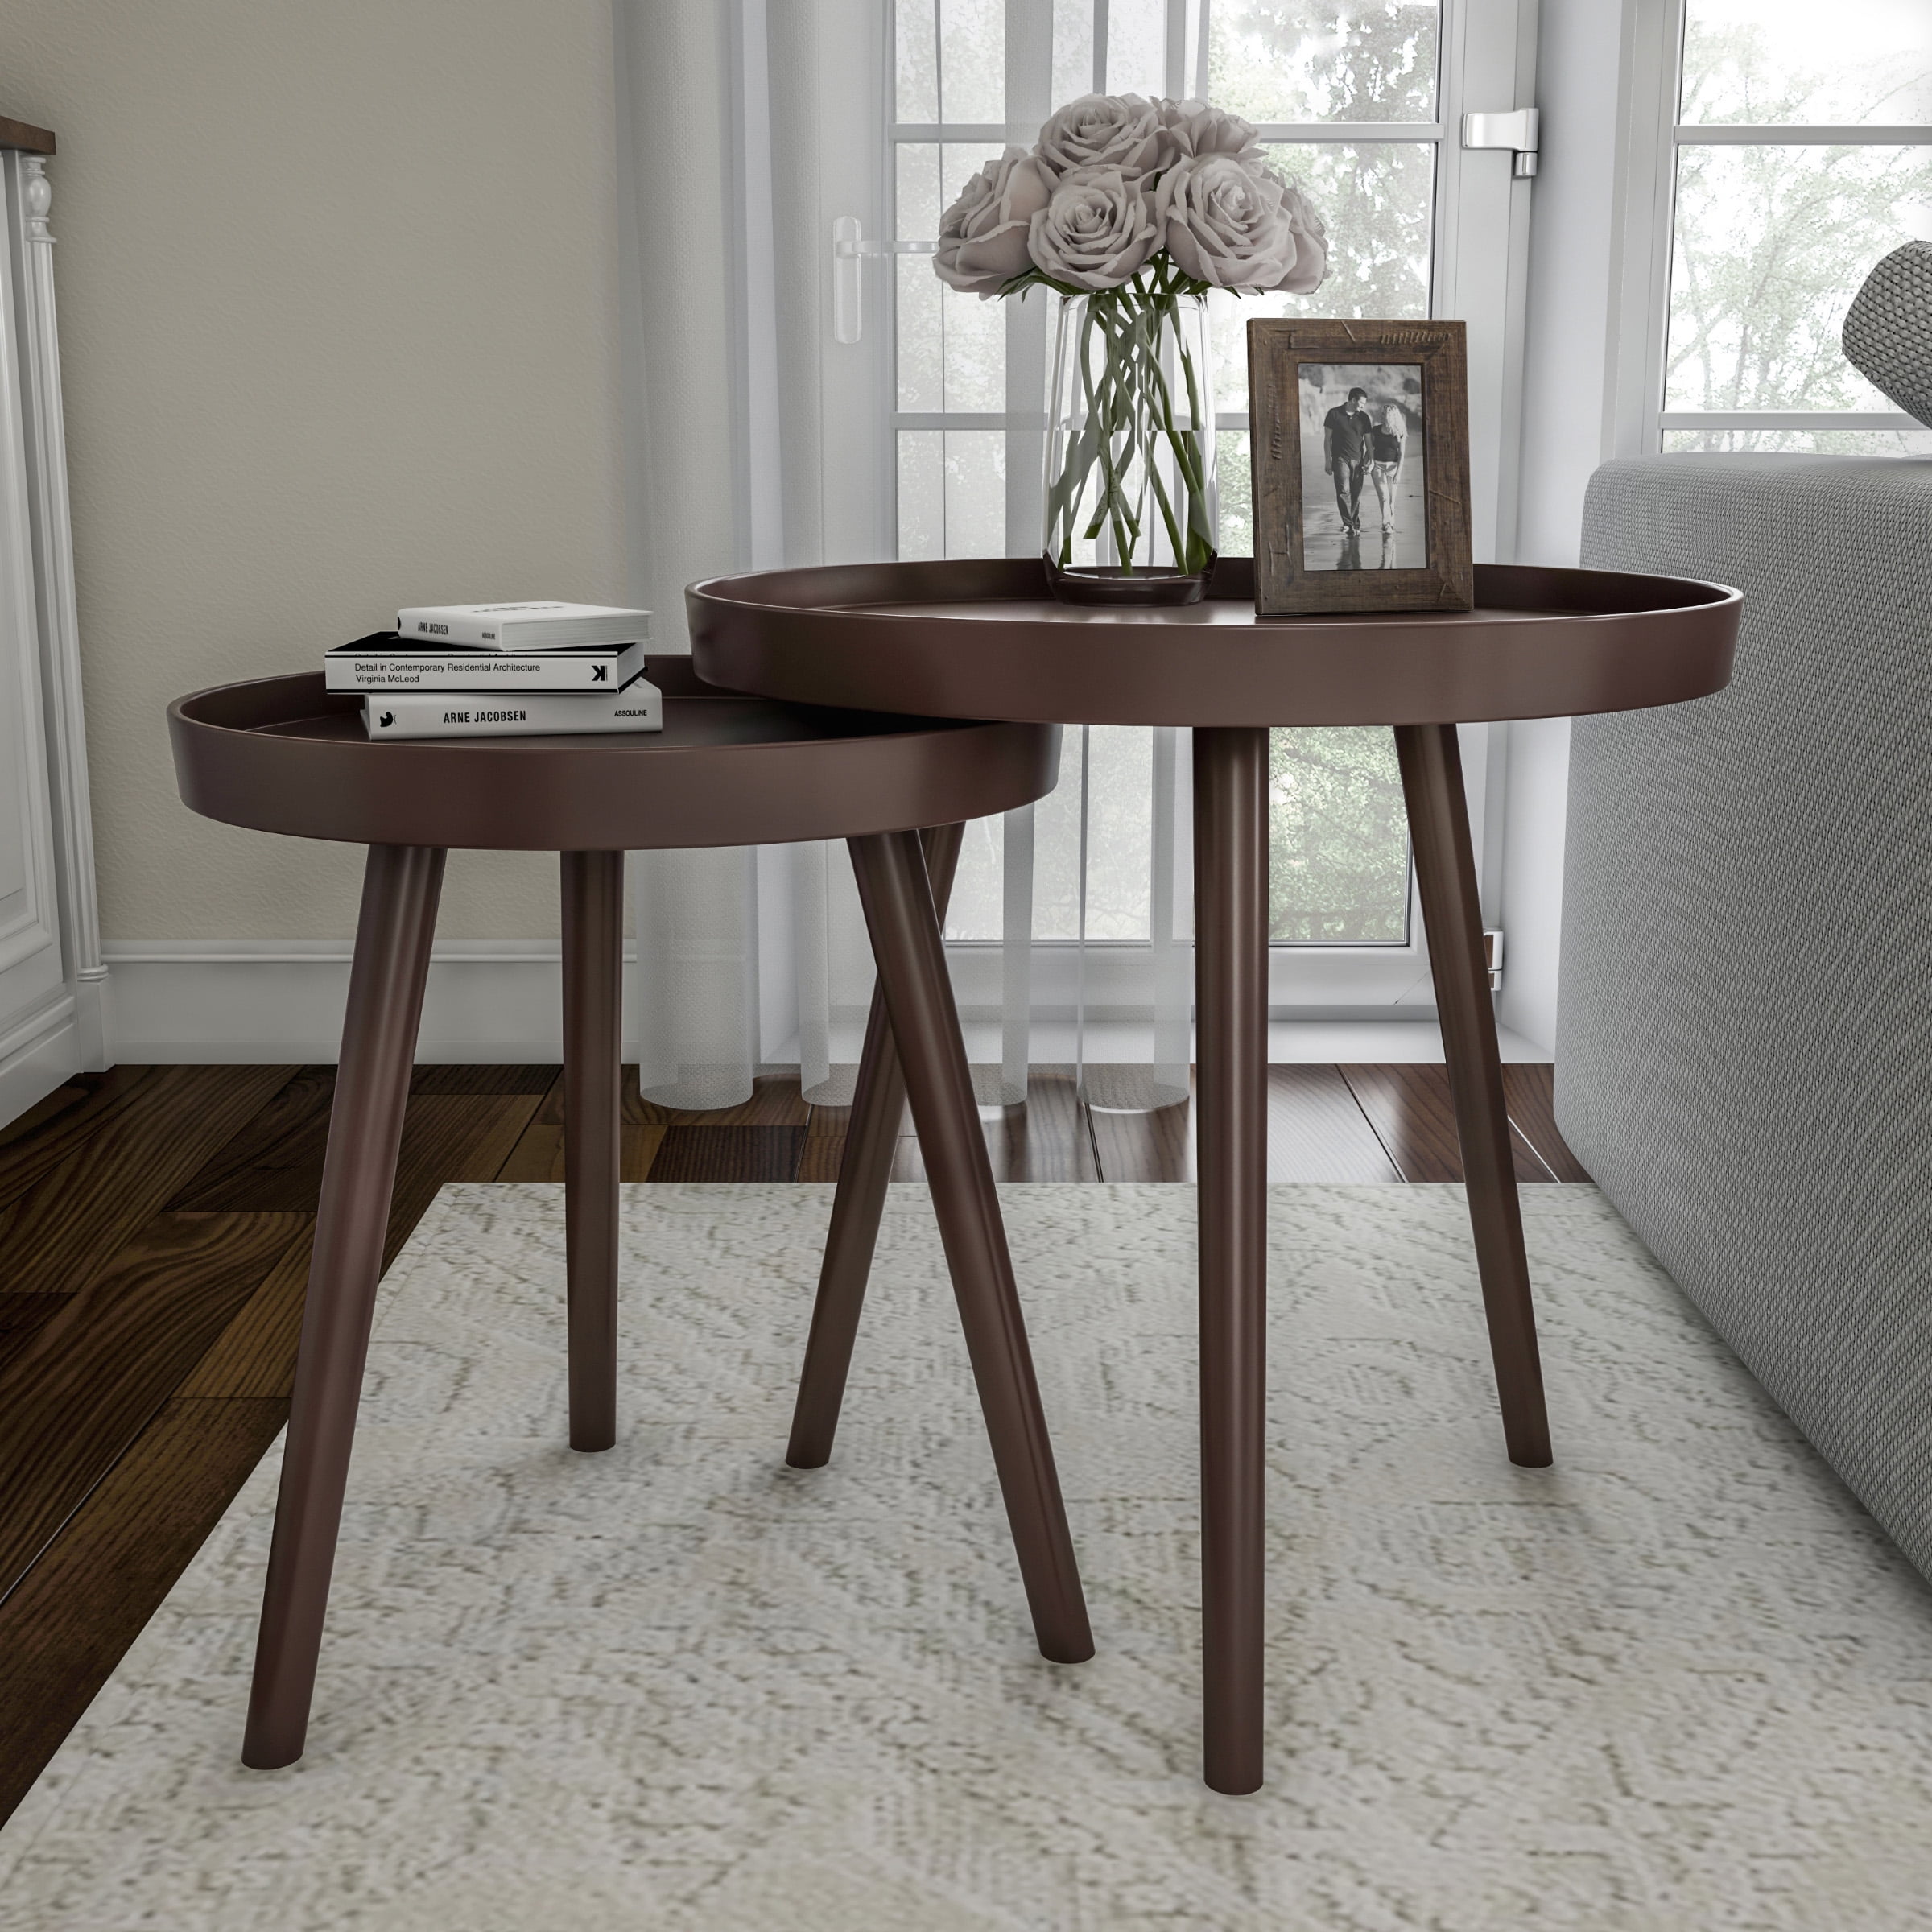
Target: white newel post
60, 633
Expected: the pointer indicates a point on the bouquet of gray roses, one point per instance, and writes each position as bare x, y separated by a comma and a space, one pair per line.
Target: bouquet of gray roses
1119, 192
1132, 210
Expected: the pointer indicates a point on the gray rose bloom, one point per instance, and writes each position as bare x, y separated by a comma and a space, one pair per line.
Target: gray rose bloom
1192, 127
1310, 243
1227, 222
1103, 130
983, 236
1221, 219
1096, 232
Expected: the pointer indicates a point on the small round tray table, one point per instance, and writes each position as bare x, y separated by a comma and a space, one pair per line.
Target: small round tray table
284, 755
985, 639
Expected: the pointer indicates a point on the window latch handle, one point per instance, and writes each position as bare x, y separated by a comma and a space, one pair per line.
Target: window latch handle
849, 248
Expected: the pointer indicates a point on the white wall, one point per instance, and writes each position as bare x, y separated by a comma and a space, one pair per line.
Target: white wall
1595, 275
338, 288
1591, 296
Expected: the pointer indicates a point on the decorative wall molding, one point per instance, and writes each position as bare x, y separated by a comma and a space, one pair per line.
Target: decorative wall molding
46, 434
37, 1053
45, 460
33, 966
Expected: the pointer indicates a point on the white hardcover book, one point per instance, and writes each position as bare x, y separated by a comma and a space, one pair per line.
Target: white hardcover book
535, 626
638, 706
388, 663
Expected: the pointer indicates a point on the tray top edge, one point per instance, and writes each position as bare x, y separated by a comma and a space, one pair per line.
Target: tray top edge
892, 596
308, 703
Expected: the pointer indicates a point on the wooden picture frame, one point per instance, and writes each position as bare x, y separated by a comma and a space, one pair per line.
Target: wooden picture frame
1335, 411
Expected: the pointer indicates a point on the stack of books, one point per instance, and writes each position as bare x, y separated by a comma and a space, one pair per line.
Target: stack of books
471, 671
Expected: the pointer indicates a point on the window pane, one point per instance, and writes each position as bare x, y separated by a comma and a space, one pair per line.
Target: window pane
951, 349
976, 912
974, 330
920, 194
1804, 441
972, 59
959, 161
1338, 837
1072, 50
1781, 63
975, 493
1136, 48
1772, 244
1234, 490
953, 493
920, 325
976, 348
1376, 202
916, 59
1120, 833
1324, 59
921, 494
1056, 848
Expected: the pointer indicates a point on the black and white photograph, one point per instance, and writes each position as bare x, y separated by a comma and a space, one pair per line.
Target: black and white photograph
1363, 503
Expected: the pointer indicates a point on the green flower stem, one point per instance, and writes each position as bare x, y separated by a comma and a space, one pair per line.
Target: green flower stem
1104, 407
1121, 420
1195, 553
1149, 356
1122, 423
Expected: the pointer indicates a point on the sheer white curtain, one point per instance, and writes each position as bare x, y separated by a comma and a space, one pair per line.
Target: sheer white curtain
738, 121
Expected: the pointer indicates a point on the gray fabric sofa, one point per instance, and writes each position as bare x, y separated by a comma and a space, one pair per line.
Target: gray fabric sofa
1744, 1046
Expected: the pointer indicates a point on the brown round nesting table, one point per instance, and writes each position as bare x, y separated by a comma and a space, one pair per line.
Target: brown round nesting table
284, 755
985, 639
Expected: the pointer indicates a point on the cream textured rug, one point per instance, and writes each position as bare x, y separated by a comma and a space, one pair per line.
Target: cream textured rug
1680, 1681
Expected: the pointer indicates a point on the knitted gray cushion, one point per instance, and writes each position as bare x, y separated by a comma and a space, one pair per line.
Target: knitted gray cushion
1888, 332
1744, 1041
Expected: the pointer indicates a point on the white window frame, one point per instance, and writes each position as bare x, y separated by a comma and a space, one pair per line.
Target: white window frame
1665, 87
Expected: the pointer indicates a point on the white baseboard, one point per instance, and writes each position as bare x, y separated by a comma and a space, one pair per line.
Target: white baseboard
1355, 1040
281, 1001
94, 1020
36, 1054
496, 1000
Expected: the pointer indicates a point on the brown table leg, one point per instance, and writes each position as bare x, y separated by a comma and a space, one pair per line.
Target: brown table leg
1445, 870
594, 964
400, 887
878, 1104
899, 914
1230, 1113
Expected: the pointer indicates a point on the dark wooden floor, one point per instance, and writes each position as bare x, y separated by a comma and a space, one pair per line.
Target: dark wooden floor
155, 1224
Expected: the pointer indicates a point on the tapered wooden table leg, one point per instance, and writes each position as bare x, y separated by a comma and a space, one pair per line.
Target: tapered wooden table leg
1231, 1109
878, 1104
899, 914
1445, 871
400, 887
594, 964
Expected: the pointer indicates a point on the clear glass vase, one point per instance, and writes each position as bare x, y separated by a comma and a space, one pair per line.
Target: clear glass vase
1129, 487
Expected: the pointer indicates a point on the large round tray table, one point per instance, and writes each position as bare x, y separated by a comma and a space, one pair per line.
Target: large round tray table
985, 639
283, 755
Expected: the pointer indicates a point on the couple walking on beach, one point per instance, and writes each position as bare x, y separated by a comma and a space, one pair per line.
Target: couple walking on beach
1354, 446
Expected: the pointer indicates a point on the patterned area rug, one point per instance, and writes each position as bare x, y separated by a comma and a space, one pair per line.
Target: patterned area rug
1680, 1681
